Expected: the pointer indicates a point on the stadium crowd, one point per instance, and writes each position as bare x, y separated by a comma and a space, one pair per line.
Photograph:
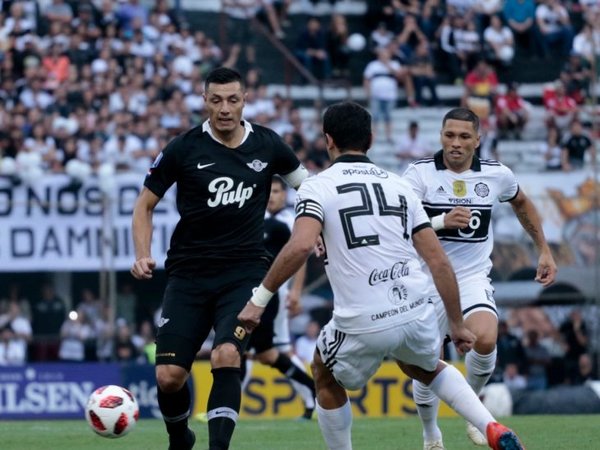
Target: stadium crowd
111, 82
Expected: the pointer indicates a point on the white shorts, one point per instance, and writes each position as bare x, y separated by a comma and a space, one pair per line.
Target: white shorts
281, 326
354, 358
476, 294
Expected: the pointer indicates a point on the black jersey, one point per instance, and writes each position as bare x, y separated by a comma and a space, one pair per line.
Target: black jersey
222, 194
277, 233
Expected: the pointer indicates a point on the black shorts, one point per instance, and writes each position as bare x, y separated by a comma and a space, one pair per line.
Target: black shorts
193, 305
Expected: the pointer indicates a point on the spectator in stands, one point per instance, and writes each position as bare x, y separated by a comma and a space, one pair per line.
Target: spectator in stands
512, 112
484, 11
422, 71
453, 60
585, 370
48, 315
240, 14
15, 335
58, 11
144, 342
553, 21
412, 146
21, 16
268, 9
575, 335
587, 43
125, 349
520, 17
560, 109
131, 12
409, 38
512, 378
311, 49
337, 46
481, 85
317, 158
576, 146
104, 330
510, 351
75, 333
431, 17
305, 345
551, 149
14, 294
538, 359
89, 305
576, 75
380, 80
380, 37
499, 42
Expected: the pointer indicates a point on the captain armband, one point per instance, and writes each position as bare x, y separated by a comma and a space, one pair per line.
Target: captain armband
261, 296
437, 222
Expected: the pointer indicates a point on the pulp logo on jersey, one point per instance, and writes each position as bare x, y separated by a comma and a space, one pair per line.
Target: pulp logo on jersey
376, 171
225, 194
162, 321
204, 166
399, 269
257, 165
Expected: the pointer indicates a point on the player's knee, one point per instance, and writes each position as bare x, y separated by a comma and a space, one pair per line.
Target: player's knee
225, 355
485, 345
170, 379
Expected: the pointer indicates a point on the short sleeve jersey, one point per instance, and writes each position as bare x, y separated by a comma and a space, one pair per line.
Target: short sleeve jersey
478, 188
369, 216
222, 194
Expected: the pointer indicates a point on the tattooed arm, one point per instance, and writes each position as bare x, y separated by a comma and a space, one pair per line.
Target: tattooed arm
532, 224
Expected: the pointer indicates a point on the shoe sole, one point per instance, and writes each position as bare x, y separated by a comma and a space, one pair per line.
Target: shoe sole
510, 441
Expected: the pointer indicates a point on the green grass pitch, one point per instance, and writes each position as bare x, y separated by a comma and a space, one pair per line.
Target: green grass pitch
537, 432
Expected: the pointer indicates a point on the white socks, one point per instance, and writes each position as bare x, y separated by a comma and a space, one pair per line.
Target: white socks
450, 386
336, 425
479, 369
427, 406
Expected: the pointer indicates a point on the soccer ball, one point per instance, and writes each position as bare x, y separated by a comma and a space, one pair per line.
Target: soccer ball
112, 411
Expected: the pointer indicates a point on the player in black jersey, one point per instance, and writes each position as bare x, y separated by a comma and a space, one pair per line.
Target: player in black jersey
271, 341
223, 171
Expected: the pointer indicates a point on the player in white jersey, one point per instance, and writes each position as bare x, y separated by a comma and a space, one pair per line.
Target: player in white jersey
374, 229
458, 190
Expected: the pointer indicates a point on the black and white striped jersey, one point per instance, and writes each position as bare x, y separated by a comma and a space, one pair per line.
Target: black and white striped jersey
440, 189
369, 216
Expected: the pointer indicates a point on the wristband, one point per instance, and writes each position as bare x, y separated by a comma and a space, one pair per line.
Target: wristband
261, 296
437, 222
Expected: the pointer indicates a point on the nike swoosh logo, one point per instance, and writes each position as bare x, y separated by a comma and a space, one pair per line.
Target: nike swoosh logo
204, 166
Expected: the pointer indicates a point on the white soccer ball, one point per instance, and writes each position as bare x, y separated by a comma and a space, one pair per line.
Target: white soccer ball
112, 411
356, 42
497, 399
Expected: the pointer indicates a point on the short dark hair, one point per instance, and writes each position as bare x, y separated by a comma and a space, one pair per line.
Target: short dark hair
462, 114
349, 125
279, 180
223, 75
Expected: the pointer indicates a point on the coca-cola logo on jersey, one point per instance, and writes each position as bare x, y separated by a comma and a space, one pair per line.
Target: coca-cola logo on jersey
399, 269
227, 194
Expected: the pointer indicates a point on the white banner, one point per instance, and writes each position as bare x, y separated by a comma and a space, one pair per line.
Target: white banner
50, 227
